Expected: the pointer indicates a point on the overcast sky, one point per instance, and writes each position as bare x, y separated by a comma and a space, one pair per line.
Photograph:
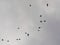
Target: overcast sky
20, 16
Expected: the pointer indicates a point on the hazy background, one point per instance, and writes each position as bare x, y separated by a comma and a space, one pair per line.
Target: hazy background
18, 13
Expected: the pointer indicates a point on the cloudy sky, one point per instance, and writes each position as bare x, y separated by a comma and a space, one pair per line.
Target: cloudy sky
20, 21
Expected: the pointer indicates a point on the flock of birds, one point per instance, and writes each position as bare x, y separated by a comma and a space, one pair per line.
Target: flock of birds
26, 32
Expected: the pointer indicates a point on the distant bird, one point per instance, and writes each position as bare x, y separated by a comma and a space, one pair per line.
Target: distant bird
7, 40
38, 30
47, 4
19, 39
18, 28
2, 39
40, 15
44, 20
30, 5
27, 34
41, 21
16, 39
39, 27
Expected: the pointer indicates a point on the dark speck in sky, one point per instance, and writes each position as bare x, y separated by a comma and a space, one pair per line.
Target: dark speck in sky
30, 5
7, 40
27, 34
19, 39
41, 21
40, 15
39, 27
2, 39
16, 39
47, 4
44, 20
18, 28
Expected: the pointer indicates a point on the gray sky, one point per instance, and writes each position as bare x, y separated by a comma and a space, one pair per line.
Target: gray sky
20, 16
